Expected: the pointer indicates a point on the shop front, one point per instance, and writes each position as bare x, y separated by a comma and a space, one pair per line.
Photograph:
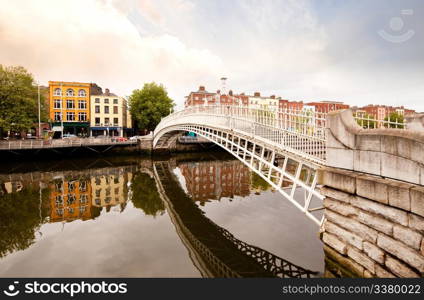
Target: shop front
80, 129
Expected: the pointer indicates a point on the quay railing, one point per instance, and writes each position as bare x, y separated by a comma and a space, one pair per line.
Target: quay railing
62, 143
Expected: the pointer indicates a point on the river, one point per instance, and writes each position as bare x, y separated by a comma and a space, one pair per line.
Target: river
188, 215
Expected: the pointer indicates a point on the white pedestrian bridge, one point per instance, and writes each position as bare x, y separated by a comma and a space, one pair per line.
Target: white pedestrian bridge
285, 148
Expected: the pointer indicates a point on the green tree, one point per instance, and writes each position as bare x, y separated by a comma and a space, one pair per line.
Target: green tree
149, 105
18, 99
366, 121
395, 120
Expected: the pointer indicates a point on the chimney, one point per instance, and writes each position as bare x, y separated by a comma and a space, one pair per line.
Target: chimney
201, 88
272, 96
257, 94
230, 93
107, 92
218, 92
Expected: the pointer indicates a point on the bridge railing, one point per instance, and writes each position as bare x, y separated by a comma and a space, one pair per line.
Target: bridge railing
369, 122
299, 131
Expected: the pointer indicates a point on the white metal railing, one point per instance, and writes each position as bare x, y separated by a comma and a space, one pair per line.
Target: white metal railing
369, 122
298, 131
77, 142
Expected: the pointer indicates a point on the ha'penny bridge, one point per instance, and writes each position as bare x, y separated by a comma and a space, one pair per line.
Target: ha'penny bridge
360, 180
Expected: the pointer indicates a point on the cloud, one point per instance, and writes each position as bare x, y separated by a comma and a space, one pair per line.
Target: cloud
298, 49
92, 41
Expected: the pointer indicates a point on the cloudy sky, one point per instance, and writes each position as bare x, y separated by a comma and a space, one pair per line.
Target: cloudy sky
357, 51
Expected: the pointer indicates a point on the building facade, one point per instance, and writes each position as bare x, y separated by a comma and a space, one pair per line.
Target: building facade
69, 104
327, 106
109, 114
266, 103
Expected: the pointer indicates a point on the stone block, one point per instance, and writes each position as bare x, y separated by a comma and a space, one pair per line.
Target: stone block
336, 194
422, 247
416, 222
368, 142
389, 144
391, 213
332, 142
361, 258
341, 180
375, 222
334, 243
340, 158
380, 272
367, 162
417, 200
374, 252
400, 269
354, 268
401, 251
343, 235
400, 168
373, 188
398, 193
340, 207
353, 226
407, 236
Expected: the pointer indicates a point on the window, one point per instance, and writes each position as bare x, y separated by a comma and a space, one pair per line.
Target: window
82, 93
57, 92
115, 101
70, 92
82, 116
115, 121
106, 109
106, 121
57, 116
97, 121
82, 104
70, 116
106, 100
57, 103
115, 109
97, 100
97, 109
70, 104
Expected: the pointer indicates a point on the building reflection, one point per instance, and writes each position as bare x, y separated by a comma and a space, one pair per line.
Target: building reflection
213, 180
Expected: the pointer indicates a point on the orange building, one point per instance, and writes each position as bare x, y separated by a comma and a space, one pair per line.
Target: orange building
70, 102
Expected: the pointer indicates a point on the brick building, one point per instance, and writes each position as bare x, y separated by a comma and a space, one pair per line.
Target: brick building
327, 106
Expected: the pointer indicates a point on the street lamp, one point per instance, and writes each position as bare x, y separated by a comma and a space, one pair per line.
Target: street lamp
39, 111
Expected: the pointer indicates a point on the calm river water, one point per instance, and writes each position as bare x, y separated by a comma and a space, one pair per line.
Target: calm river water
184, 216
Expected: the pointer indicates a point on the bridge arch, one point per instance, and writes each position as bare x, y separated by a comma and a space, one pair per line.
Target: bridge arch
285, 159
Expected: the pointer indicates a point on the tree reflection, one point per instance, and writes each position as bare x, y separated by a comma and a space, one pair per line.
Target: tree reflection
20, 217
145, 195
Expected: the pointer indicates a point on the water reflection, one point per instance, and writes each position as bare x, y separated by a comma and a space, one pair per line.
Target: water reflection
113, 193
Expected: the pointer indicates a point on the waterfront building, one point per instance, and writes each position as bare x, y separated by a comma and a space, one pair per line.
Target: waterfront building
69, 104
200, 97
109, 114
266, 103
284, 104
379, 112
327, 106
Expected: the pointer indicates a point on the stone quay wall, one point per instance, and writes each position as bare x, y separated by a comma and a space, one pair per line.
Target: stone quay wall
374, 205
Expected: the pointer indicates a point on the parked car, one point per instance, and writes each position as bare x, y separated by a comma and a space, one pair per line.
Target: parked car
69, 136
121, 139
135, 138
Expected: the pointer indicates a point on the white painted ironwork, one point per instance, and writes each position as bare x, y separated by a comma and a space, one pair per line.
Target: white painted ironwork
369, 122
284, 148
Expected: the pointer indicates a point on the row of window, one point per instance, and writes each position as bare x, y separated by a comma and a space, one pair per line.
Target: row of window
70, 92
106, 109
105, 100
70, 116
70, 104
107, 121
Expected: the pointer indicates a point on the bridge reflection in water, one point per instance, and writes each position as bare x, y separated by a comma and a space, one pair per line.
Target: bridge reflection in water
63, 195
214, 250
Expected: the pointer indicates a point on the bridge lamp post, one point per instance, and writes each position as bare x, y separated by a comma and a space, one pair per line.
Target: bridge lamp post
39, 111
